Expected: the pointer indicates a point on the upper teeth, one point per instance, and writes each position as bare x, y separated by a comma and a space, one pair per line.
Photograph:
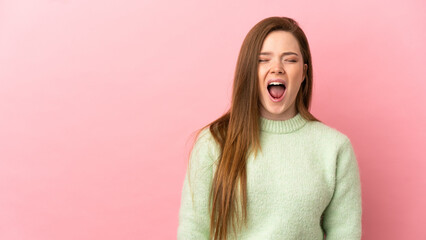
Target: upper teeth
275, 83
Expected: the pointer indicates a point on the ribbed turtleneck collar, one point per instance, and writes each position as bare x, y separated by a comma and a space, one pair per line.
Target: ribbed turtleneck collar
282, 126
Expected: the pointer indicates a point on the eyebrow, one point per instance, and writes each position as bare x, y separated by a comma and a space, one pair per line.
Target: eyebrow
284, 53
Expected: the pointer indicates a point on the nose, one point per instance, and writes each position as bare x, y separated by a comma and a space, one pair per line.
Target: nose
277, 68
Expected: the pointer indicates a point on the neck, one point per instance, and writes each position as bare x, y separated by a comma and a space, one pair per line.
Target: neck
282, 126
290, 113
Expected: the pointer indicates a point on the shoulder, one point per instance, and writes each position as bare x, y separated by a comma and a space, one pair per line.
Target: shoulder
321, 132
205, 144
330, 143
205, 135
205, 138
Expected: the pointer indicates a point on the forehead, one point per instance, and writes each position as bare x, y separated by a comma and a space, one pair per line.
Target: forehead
279, 41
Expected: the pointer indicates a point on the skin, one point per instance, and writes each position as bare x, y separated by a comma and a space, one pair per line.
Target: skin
276, 64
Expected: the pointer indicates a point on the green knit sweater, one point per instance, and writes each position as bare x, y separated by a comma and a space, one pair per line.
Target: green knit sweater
304, 184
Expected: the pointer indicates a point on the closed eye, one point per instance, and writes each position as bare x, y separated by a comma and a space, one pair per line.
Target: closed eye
261, 60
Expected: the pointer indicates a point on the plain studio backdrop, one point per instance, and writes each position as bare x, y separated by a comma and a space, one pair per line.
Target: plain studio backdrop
98, 101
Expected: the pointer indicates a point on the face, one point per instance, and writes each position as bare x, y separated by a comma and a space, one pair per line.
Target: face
281, 71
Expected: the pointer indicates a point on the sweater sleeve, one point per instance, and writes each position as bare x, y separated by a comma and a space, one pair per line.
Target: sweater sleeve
194, 215
342, 217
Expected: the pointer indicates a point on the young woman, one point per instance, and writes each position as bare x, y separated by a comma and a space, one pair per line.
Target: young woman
268, 169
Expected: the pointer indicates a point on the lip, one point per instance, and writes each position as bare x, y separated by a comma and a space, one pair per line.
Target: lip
277, 80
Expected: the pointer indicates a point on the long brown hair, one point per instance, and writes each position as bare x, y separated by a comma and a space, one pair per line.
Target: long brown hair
237, 131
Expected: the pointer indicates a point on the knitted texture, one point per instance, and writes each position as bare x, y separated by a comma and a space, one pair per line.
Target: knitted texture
304, 184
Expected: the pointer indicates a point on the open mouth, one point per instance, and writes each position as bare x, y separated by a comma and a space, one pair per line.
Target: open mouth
276, 91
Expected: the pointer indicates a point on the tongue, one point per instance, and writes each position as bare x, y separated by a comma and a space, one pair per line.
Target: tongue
276, 91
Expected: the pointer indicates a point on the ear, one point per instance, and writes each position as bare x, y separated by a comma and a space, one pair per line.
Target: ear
305, 69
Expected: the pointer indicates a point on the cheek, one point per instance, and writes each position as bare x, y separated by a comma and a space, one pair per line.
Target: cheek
261, 69
259, 74
296, 73
260, 77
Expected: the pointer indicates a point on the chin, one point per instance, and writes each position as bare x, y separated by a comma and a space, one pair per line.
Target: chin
275, 110
278, 112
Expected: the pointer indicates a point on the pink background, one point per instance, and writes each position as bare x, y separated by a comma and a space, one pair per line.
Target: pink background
98, 101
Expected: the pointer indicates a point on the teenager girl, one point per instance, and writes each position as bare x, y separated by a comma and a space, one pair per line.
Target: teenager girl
267, 168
